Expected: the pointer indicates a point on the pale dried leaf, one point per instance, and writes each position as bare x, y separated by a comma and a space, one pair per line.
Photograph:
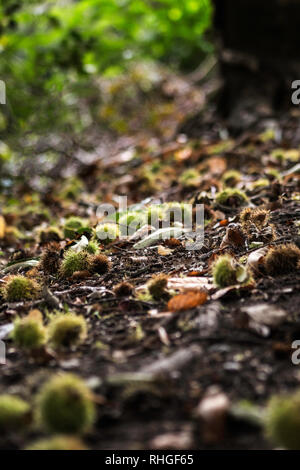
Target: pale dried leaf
190, 283
213, 410
255, 258
163, 251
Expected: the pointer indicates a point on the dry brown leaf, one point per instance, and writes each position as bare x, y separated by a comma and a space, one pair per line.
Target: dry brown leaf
187, 301
234, 236
172, 242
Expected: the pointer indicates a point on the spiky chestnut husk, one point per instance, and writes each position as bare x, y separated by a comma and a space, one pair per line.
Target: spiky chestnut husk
59, 442
65, 405
66, 330
178, 212
231, 197
14, 413
131, 221
18, 288
99, 264
154, 215
50, 261
224, 271
157, 286
72, 225
259, 217
189, 178
92, 247
231, 178
73, 262
107, 232
81, 275
29, 332
123, 289
282, 421
50, 234
282, 259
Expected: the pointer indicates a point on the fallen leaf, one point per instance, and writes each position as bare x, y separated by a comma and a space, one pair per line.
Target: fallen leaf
31, 263
81, 245
213, 410
234, 236
5, 330
187, 301
160, 234
142, 232
2, 226
190, 283
266, 314
163, 336
255, 258
182, 440
173, 242
224, 222
163, 251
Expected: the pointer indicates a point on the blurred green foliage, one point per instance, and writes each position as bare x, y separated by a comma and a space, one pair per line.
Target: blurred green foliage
49, 50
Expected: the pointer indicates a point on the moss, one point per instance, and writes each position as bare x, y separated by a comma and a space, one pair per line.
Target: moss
231, 197
224, 271
64, 405
73, 262
107, 232
29, 332
282, 421
157, 286
14, 413
99, 264
50, 234
282, 259
123, 289
50, 259
72, 225
58, 443
231, 178
18, 288
66, 330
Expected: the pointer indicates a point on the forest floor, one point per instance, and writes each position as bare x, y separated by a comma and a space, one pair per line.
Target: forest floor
159, 375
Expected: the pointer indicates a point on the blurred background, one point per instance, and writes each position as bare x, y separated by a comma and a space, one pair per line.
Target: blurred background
53, 53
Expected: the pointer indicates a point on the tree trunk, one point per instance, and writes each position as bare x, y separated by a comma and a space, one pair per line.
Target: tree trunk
259, 48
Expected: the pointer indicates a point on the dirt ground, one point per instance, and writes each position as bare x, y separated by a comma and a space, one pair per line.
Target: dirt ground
148, 367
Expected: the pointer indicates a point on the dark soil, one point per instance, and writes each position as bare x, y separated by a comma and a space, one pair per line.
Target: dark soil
148, 367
